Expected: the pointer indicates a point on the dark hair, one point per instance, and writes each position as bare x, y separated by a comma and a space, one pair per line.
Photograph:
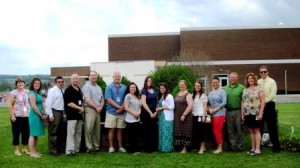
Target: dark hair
58, 77
32, 83
167, 90
137, 92
92, 71
246, 79
200, 91
145, 82
216, 78
263, 66
19, 79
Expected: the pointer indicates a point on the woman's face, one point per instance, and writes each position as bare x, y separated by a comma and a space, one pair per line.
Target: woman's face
36, 85
20, 85
215, 84
132, 89
162, 89
149, 82
197, 87
250, 80
182, 86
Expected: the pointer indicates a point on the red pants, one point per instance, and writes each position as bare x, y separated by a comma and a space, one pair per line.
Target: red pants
217, 128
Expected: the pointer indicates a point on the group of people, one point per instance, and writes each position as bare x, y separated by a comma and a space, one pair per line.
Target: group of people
165, 123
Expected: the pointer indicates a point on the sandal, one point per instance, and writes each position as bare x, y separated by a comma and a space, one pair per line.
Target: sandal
254, 154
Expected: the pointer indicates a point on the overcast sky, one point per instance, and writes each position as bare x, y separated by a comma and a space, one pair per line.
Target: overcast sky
38, 34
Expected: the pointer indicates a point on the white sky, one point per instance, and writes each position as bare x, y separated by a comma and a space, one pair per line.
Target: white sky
38, 34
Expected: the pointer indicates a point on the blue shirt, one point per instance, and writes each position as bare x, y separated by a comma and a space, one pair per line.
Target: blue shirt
117, 94
218, 99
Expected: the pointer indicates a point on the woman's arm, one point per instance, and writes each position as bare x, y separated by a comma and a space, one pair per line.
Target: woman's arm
262, 98
144, 104
11, 102
188, 109
34, 106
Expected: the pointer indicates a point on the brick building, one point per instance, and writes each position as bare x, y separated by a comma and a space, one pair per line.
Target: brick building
230, 49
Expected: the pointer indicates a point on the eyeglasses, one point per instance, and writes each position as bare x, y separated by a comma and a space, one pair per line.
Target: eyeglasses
262, 72
60, 82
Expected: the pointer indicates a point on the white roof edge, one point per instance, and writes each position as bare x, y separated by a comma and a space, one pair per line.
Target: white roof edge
124, 61
238, 62
143, 34
238, 28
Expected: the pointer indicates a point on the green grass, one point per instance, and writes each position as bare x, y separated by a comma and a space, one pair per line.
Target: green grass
288, 116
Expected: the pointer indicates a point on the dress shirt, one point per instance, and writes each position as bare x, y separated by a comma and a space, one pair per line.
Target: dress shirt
270, 88
55, 100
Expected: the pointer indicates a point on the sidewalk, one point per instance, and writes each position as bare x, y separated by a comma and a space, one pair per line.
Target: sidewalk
294, 98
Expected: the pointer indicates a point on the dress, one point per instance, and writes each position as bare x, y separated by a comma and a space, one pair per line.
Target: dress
183, 130
165, 132
36, 124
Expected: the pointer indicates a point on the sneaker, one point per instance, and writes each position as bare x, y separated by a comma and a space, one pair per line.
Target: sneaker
111, 149
122, 150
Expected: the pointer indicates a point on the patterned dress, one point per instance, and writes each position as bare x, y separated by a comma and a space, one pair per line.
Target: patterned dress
165, 132
36, 124
183, 130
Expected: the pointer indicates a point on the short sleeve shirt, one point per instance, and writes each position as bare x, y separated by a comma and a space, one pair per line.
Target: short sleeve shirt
21, 105
134, 105
74, 96
115, 93
93, 92
251, 100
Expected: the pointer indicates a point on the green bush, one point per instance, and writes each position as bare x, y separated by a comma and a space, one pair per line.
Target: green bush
101, 83
291, 143
172, 75
125, 81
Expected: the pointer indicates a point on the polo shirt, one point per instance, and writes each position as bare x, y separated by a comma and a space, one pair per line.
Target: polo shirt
117, 94
270, 88
72, 95
234, 96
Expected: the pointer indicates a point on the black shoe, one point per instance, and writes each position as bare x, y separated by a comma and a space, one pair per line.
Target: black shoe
96, 150
90, 151
54, 153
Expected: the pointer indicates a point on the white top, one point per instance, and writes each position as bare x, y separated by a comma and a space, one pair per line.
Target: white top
55, 100
169, 102
198, 109
134, 105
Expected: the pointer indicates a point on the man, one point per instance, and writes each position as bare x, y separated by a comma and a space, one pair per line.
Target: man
74, 110
115, 117
55, 110
270, 115
234, 92
93, 104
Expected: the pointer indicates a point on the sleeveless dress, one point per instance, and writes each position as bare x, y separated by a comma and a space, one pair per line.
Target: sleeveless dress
36, 124
183, 130
165, 132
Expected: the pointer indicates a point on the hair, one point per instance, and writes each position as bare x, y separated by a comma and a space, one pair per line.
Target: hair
137, 92
263, 66
91, 72
246, 79
32, 84
58, 77
216, 78
184, 81
234, 73
19, 79
145, 82
167, 90
200, 91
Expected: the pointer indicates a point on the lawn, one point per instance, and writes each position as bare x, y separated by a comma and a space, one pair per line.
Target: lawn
288, 116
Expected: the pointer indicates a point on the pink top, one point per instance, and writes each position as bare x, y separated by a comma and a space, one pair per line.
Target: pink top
21, 105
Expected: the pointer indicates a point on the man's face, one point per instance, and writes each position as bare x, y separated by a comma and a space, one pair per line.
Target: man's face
233, 78
93, 77
263, 72
117, 77
60, 83
75, 80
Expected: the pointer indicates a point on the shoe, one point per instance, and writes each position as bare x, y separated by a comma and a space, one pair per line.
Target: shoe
254, 154
17, 153
71, 154
54, 153
25, 151
35, 156
183, 151
201, 151
137, 153
217, 151
90, 151
96, 150
111, 149
250, 152
122, 150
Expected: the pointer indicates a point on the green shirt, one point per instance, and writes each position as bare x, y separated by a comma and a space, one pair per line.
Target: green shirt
234, 96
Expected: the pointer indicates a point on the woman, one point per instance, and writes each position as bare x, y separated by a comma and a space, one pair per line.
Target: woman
165, 119
199, 116
18, 107
36, 115
148, 116
253, 103
132, 117
217, 99
183, 117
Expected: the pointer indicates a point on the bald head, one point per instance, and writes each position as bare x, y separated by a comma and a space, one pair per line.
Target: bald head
117, 77
74, 79
233, 78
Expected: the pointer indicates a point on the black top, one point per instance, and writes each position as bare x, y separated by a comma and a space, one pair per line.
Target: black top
72, 95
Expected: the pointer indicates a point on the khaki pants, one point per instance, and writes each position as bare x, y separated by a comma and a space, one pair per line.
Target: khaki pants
73, 136
92, 128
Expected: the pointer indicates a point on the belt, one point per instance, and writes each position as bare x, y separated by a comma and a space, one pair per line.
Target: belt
58, 110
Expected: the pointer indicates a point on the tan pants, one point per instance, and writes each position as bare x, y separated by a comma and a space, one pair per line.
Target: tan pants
92, 128
74, 131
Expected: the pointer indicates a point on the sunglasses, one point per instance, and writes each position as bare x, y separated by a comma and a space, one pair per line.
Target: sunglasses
60, 82
262, 72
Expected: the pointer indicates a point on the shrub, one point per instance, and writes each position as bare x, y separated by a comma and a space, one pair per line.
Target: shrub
125, 81
291, 143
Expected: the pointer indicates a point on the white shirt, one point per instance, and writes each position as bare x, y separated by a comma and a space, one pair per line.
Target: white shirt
55, 100
198, 109
169, 102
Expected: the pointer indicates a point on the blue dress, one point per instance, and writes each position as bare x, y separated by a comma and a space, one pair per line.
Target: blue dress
36, 124
165, 132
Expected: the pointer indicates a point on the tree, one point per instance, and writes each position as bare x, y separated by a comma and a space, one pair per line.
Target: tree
101, 83
125, 80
